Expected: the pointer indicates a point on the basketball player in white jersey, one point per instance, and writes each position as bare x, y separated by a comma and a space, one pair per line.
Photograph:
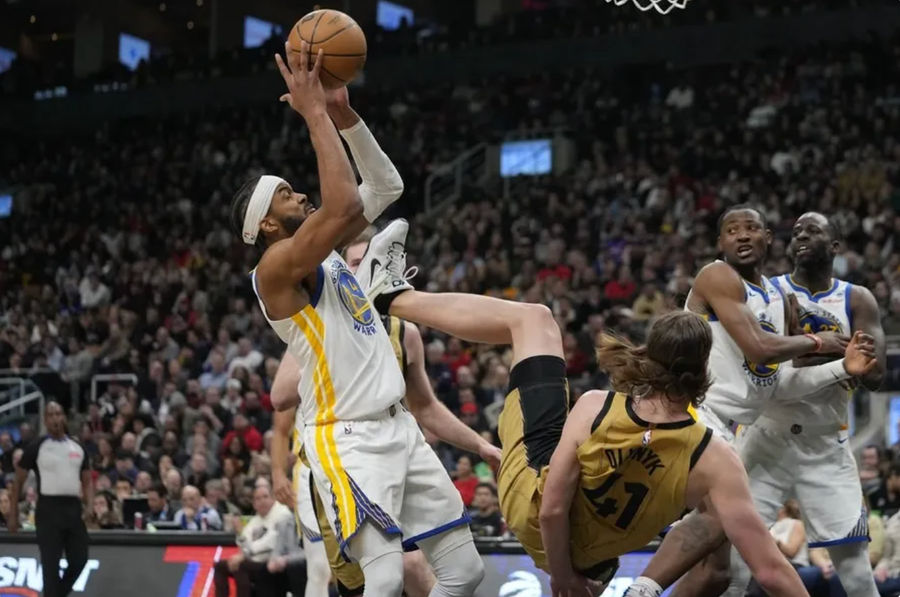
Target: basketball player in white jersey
801, 449
749, 316
432, 414
383, 488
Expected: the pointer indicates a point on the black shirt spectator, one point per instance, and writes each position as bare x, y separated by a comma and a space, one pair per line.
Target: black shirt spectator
886, 499
486, 519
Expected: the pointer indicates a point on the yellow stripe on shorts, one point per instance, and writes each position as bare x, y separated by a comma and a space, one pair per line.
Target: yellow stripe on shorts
313, 328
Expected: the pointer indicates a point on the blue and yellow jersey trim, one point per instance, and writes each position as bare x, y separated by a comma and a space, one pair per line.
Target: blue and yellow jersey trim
313, 328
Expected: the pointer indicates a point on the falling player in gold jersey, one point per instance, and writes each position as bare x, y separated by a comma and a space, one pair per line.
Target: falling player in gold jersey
580, 488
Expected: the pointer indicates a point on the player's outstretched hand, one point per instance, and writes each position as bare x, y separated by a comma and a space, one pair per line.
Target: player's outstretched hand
284, 492
570, 585
859, 358
490, 454
305, 93
832, 343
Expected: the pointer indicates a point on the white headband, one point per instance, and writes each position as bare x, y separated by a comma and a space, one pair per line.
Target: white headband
258, 206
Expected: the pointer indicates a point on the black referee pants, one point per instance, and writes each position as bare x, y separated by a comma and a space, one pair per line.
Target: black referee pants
60, 529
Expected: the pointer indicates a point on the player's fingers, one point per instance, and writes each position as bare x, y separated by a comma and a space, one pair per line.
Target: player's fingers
304, 57
317, 67
282, 68
285, 98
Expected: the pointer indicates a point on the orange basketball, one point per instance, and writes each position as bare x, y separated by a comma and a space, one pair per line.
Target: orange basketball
339, 37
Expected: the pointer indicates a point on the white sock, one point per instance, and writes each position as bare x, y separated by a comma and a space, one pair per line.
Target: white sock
644, 587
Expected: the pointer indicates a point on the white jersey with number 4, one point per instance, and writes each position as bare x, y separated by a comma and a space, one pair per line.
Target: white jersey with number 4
348, 368
740, 388
827, 311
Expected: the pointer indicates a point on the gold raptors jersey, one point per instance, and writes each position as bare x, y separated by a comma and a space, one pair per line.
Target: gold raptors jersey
634, 476
348, 369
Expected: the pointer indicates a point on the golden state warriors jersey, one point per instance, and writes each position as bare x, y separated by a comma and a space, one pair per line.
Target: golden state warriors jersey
634, 478
396, 332
827, 311
741, 388
347, 363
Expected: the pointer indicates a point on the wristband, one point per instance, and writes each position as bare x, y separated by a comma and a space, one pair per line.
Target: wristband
817, 340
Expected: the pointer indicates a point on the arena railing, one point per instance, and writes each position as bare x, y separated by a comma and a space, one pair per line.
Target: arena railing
106, 377
445, 184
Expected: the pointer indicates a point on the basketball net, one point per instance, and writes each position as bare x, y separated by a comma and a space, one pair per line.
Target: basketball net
661, 6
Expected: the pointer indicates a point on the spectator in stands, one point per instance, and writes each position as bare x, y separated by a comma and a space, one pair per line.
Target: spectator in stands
143, 483
870, 469
232, 400
217, 498
486, 519
6, 453
105, 513
259, 418
124, 488
649, 304
174, 483
158, 504
262, 540
145, 432
886, 499
248, 434
197, 472
125, 468
887, 571
464, 479
248, 358
216, 376
195, 514
5, 507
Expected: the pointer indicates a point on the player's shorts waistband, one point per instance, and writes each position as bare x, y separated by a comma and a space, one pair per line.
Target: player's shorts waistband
391, 411
796, 427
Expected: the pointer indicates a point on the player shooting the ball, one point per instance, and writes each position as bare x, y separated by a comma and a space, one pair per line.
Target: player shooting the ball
383, 488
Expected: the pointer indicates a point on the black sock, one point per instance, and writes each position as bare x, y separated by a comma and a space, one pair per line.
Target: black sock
383, 301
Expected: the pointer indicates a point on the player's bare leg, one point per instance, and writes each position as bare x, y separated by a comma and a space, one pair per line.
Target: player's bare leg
530, 328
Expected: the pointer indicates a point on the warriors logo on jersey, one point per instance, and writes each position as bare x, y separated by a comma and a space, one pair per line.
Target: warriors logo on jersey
814, 320
762, 375
353, 298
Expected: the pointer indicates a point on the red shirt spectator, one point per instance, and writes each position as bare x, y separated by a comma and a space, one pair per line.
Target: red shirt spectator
248, 433
465, 479
561, 271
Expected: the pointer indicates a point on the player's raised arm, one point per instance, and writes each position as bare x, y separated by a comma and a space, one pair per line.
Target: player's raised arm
719, 286
430, 412
867, 319
289, 261
720, 474
381, 182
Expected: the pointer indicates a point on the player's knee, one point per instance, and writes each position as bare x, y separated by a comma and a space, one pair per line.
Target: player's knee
383, 580
463, 577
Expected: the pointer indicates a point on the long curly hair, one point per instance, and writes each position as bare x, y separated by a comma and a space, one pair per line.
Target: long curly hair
673, 362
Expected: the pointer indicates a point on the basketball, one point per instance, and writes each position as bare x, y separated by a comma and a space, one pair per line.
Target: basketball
339, 37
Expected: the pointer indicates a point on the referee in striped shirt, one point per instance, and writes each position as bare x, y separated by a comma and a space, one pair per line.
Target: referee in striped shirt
64, 480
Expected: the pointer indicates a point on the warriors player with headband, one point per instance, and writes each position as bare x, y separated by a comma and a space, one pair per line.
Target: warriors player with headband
322, 550
382, 486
